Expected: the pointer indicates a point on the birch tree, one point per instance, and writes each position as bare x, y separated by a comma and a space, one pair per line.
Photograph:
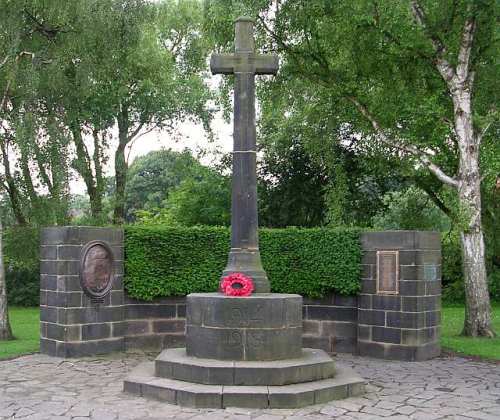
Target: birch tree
417, 78
5, 329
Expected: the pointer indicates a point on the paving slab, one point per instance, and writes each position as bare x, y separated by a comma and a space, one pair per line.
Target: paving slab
91, 388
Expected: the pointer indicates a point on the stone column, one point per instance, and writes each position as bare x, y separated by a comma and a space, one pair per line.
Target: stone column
81, 313
399, 308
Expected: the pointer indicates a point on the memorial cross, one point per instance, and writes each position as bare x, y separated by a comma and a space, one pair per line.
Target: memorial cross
245, 63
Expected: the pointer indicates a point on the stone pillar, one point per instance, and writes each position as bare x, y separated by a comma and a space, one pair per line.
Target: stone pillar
399, 308
81, 292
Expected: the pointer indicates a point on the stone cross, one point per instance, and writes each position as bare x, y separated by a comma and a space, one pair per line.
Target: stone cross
245, 63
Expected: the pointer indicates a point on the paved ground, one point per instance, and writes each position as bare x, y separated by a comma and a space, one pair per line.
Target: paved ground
39, 387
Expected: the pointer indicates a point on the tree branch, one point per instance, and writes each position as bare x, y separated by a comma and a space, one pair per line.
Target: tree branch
423, 157
444, 67
464, 53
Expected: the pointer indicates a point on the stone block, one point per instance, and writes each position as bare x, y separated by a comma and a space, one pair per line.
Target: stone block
405, 319
386, 335
96, 331
311, 327
196, 396
255, 311
168, 326
48, 282
371, 317
413, 304
173, 340
243, 344
148, 342
368, 286
48, 252
331, 313
69, 283
349, 301
412, 287
150, 311
138, 327
433, 318
368, 271
48, 314
181, 311
245, 397
365, 301
386, 303
365, 332
69, 252
395, 239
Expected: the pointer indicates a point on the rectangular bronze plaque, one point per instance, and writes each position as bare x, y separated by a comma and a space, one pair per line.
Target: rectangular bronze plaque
388, 272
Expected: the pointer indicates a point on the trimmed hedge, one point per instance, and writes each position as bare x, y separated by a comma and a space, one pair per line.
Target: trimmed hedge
174, 261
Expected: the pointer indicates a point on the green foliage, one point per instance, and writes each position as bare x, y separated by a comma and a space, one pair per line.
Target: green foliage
169, 261
410, 209
21, 252
201, 200
152, 177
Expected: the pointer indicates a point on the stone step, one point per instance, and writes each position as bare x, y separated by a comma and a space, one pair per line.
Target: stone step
142, 382
312, 366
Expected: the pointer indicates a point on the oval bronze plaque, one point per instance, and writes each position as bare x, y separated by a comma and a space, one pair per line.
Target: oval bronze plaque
96, 269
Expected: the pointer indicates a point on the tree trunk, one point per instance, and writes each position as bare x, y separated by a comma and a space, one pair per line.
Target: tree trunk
5, 330
477, 307
11, 188
121, 168
82, 166
99, 179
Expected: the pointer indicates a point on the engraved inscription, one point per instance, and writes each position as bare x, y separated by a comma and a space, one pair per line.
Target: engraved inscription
255, 338
96, 269
243, 317
388, 272
234, 339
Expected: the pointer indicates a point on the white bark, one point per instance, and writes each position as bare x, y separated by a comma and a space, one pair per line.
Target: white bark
460, 82
5, 330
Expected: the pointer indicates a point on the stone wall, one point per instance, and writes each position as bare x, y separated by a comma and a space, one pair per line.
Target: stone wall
329, 323
399, 323
404, 325
72, 323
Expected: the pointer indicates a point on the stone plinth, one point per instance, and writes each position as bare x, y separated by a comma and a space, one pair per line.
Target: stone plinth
76, 320
312, 365
243, 352
263, 326
399, 314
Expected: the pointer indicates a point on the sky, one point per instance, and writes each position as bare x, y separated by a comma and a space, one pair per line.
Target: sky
188, 135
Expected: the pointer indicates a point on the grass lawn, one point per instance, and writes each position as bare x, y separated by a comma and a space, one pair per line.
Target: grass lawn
453, 320
24, 323
26, 329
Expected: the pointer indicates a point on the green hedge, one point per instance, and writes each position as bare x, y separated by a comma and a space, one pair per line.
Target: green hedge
22, 265
175, 261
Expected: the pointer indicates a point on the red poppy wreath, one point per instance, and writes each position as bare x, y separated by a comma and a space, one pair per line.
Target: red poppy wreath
237, 284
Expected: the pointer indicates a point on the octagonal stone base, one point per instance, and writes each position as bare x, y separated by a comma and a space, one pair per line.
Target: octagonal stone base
263, 326
143, 382
313, 365
243, 352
